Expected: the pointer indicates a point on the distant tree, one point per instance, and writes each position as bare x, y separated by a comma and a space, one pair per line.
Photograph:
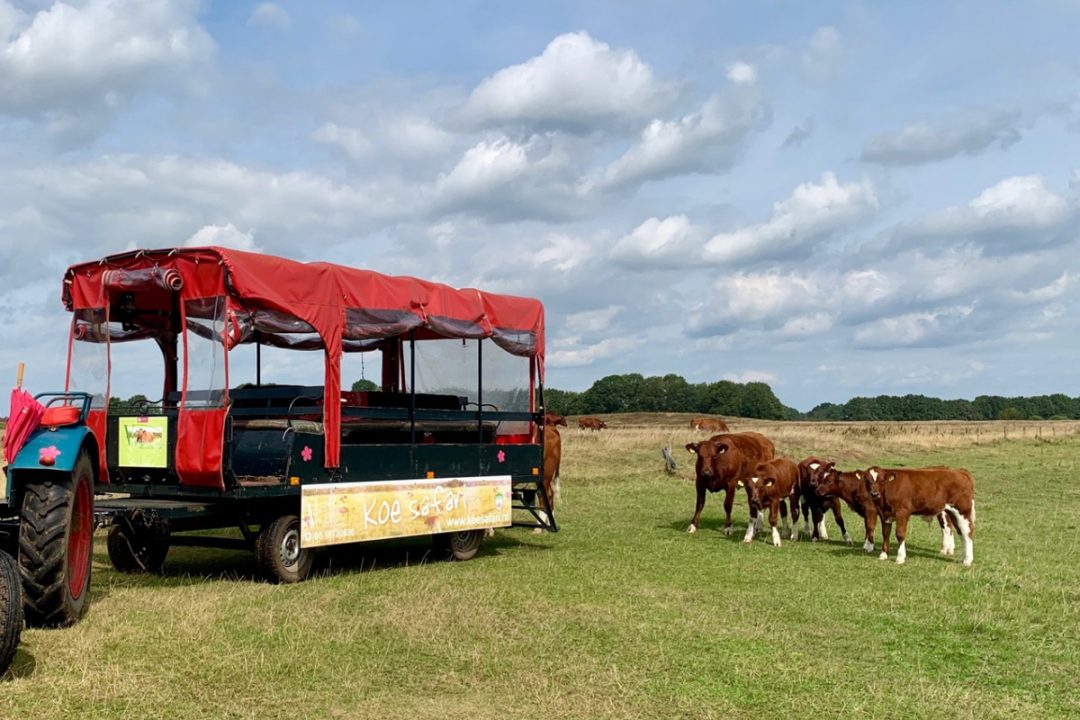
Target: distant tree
364, 386
758, 401
1012, 413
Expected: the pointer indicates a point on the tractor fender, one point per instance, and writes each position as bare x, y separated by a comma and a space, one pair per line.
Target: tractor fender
62, 443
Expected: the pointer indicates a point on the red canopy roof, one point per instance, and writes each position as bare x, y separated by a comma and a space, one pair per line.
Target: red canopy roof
338, 302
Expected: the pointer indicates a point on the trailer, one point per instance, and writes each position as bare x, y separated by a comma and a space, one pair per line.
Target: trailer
446, 442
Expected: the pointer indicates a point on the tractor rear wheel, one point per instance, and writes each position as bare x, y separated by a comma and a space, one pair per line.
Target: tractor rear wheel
11, 611
56, 538
278, 553
142, 552
461, 545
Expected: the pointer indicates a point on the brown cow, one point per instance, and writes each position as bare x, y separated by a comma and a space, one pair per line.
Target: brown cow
552, 459
551, 418
814, 505
900, 493
771, 484
828, 482
591, 423
710, 424
722, 461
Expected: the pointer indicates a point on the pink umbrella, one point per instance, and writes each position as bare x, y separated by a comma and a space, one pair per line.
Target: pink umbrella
24, 417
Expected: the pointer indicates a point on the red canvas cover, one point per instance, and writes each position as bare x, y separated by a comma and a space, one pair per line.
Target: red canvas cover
342, 304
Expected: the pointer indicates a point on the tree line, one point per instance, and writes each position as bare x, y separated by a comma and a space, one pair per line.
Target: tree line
672, 393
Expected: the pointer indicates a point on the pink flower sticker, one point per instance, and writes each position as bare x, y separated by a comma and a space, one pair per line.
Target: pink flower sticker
306, 453
501, 456
49, 453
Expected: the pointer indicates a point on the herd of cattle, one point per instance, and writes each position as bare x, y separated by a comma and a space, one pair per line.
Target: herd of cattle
729, 461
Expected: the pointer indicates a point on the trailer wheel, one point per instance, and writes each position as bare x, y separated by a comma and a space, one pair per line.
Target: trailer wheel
459, 545
278, 552
139, 553
56, 538
11, 611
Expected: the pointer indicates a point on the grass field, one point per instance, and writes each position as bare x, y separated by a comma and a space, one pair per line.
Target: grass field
620, 615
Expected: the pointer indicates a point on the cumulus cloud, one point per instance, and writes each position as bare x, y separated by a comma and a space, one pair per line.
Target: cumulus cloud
812, 211
570, 353
1044, 293
270, 15
591, 321
969, 133
709, 140
742, 73
660, 244
227, 235
576, 83
749, 376
939, 327
75, 67
1016, 213
402, 136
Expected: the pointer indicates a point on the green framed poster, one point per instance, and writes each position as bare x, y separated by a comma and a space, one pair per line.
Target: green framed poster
144, 442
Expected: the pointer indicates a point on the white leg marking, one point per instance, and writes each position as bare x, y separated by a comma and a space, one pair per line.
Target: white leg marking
775, 537
692, 528
794, 532
821, 531
901, 553
749, 536
759, 522
847, 539
948, 544
728, 529
883, 556
868, 546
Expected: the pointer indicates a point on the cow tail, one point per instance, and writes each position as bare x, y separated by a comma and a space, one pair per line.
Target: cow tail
972, 511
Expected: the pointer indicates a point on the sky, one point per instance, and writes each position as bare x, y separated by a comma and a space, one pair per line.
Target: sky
837, 198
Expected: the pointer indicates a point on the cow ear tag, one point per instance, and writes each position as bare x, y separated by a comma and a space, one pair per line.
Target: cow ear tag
890, 478
739, 484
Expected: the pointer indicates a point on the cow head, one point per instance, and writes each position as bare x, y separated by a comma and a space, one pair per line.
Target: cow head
875, 478
709, 453
554, 419
759, 486
825, 479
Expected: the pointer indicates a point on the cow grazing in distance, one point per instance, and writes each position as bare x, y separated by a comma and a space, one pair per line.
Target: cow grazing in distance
900, 493
551, 418
814, 505
591, 423
771, 485
722, 461
709, 424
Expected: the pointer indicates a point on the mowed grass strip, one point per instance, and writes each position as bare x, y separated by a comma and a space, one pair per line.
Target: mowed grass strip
620, 615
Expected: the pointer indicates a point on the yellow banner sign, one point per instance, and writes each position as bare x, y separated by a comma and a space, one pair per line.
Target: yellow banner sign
333, 513
144, 442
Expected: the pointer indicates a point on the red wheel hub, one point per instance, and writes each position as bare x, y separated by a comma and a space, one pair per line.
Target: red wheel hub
82, 518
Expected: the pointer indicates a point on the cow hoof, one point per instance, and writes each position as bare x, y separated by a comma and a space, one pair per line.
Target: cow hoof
813, 539
900, 561
776, 543
538, 531
848, 540
727, 530
794, 537
967, 563
489, 533
868, 546
692, 529
883, 556
748, 539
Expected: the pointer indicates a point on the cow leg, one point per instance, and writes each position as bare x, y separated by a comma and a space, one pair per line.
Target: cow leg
965, 525
794, 534
818, 521
901, 537
948, 542
840, 520
729, 502
697, 510
886, 529
806, 516
773, 510
869, 522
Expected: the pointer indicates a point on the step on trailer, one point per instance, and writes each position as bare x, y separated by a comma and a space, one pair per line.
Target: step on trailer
449, 445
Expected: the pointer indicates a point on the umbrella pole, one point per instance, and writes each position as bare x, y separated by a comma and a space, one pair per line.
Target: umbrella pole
18, 379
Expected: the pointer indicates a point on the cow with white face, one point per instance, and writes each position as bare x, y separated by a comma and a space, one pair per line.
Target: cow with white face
771, 485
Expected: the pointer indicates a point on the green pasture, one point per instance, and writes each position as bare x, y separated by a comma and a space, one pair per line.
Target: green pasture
620, 615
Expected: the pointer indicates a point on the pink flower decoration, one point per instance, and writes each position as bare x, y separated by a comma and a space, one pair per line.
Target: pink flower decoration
501, 456
306, 454
51, 453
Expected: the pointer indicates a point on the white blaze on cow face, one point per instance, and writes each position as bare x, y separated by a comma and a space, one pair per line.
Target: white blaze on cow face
901, 553
775, 537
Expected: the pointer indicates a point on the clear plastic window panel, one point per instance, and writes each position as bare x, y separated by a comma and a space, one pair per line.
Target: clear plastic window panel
89, 371
205, 360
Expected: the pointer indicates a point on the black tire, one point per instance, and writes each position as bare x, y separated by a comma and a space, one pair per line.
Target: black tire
56, 544
278, 552
11, 610
459, 545
143, 552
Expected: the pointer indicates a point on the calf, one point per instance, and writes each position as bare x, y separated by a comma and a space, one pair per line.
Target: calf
830, 483
722, 461
900, 493
708, 423
591, 423
771, 484
814, 505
